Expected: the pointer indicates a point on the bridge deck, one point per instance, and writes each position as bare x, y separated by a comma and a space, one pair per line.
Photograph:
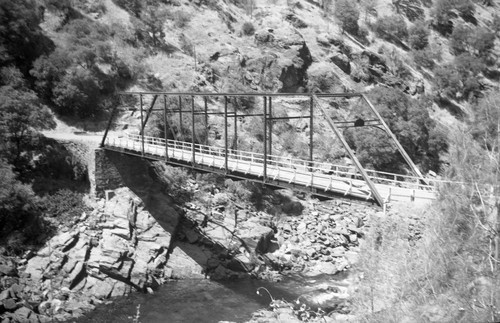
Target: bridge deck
321, 177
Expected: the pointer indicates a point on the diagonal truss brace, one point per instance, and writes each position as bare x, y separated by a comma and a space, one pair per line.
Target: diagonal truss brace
378, 198
148, 114
400, 148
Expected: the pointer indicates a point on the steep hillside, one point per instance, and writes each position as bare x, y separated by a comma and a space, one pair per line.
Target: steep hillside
409, 48
438, 58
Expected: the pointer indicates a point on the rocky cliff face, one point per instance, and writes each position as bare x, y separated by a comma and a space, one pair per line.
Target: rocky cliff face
117, 248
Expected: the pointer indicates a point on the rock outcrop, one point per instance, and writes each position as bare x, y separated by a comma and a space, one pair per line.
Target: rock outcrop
117, 248
322, 241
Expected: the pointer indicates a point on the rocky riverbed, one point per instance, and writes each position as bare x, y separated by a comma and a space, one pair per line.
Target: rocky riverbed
121, 247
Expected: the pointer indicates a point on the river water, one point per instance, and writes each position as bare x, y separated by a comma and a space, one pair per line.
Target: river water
210, 301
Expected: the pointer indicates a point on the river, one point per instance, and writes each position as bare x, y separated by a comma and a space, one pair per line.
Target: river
210, 301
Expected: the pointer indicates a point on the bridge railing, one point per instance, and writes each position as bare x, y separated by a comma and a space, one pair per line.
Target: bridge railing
321, 170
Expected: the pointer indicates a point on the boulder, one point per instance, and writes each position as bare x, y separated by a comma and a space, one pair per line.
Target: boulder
241, 263
256, 236
9, 304
264, 36
8, 270
24, 314
342, 61
375, 59
321, 267
103, 289
294, 20
76, 275
323, 40
36, 267
112, 247
4, 294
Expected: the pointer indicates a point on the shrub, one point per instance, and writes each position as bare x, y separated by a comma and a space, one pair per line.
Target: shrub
186, 45
466, 8
459, 80
248, 28
348, 14
181, 18
483, 42
294, 144
495, 23
18, 210
363, 34
176, 180
322, 78
241, 103
454, 239
460, 39
389, 27
134, 6
484, 123
418, 36
64, 204
238, 189
425, 58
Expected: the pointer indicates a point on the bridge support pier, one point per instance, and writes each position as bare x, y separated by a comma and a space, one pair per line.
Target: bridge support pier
103, 174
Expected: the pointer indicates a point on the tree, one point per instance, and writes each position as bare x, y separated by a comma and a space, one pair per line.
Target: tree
442, 13
20, 115
465, 7
459, 80
418, 36
485, 122
21, 39
495, 23
411, 124
17, 205
89, 43
460, 39
483, 42
48, 71
348, 14
11, 75
77, 94
153, 20
370, 8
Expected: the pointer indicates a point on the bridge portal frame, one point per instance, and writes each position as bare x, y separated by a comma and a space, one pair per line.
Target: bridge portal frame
267, 114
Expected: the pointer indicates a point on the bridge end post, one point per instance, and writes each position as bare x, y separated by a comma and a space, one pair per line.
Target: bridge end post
193, 152
264, 174
142, 122
165, 126
110, 121
225, 134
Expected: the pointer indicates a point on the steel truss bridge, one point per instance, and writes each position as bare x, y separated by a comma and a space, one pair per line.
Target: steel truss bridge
319, 178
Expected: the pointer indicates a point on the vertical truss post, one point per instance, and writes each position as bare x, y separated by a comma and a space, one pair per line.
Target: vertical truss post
193, 131
265, 141
311, 142
165, 125
206, 119
271, 126
396, 141
143, 125
235, 139
378, 198
311, 131
142, 122
225, 133
180, 119
110, 121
